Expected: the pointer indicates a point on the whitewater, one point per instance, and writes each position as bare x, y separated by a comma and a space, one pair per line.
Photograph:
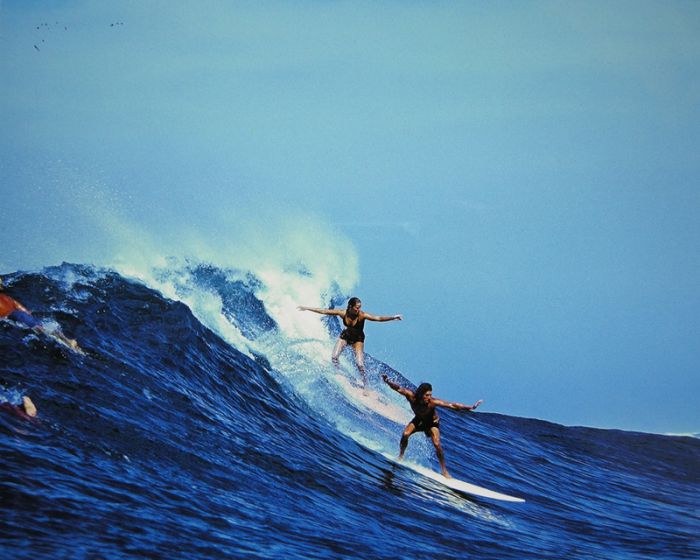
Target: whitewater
206, 421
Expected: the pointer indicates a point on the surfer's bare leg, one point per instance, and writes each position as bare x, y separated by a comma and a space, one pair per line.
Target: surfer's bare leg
29, 407
435, 436
339, 347
359, 348
70, 342
59, 336
408, 431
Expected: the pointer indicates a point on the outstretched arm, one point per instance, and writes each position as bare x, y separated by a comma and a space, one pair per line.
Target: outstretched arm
382, 318
321, 311
456, 405
396, 387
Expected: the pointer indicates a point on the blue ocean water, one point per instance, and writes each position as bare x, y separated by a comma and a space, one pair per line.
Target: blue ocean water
204, 423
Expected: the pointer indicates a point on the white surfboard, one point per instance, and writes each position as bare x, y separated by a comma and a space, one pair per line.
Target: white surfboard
455, 484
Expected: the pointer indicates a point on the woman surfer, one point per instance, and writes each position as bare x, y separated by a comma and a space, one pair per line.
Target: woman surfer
353, 334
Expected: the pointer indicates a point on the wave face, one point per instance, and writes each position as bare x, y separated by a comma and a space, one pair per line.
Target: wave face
206, 421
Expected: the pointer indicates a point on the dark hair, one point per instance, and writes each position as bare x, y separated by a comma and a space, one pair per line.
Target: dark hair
423, 388
353, 301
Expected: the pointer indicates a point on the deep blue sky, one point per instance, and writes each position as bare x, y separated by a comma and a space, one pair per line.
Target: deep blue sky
519, 179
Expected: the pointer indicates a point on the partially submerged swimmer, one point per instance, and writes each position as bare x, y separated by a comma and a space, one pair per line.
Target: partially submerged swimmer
11, 309
21, 404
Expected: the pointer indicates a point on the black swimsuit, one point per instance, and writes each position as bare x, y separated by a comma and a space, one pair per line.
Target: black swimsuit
353, 332
425, 417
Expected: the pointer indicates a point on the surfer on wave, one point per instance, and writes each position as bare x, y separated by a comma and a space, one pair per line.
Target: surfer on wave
353, 334
11, 309
426, 418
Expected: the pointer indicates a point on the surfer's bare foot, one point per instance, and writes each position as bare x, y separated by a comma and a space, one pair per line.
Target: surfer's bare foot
74, 346
446, 474
29, 407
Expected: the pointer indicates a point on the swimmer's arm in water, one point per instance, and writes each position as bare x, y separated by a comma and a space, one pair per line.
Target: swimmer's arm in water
381, 318
29, 407
396, 387
339, 312
455, 405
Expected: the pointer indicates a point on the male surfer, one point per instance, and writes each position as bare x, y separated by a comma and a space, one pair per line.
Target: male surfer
426, 418
354, 321
11, 309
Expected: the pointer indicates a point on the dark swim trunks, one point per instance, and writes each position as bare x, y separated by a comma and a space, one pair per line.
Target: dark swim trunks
24, 318
425, 426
